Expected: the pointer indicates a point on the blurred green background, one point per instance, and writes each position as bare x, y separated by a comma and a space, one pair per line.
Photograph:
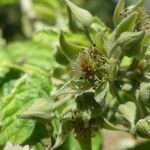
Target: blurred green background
19, 18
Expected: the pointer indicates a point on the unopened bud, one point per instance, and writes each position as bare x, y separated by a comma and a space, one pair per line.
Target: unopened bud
143, 127
83, 16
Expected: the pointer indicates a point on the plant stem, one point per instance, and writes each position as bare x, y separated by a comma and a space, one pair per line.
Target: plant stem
89, 36
142, 109
65, 93
64, 90
85, 143
60, 103
115, 92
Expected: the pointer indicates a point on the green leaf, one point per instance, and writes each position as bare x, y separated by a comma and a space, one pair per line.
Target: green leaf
98, 24
23, 53
41, 109
40, 137
70, 143
85, 143
100, 40
26, 90
126, 62
108, 125
139, 3
113, 68
127, 24
64, 130
128, 111
9, 72
86, 105
101, 93
130, 43
60, 57
69, 49
146, 40
118, 10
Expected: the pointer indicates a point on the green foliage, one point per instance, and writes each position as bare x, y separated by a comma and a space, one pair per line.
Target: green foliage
18, 100
24, 79
59, 89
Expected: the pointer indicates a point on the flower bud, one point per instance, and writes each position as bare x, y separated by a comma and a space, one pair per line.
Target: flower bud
74, 24
83, 16
143, 21
143, 127
144, 93
91, 68
132, 8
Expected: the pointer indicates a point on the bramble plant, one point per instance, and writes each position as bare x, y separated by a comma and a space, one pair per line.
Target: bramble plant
100, 81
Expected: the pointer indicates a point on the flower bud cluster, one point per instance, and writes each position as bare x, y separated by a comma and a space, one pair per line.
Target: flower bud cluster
91, 66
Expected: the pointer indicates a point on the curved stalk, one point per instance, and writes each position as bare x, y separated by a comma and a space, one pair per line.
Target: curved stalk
85, 143
89, 37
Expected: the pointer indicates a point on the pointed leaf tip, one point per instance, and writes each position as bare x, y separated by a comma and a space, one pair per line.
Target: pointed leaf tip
70, 50
118, 10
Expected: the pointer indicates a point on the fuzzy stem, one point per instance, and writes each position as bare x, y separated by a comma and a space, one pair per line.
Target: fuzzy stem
61, 102
114, 91
89, 36
85, 143
65, 93
63, 90
142, 109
